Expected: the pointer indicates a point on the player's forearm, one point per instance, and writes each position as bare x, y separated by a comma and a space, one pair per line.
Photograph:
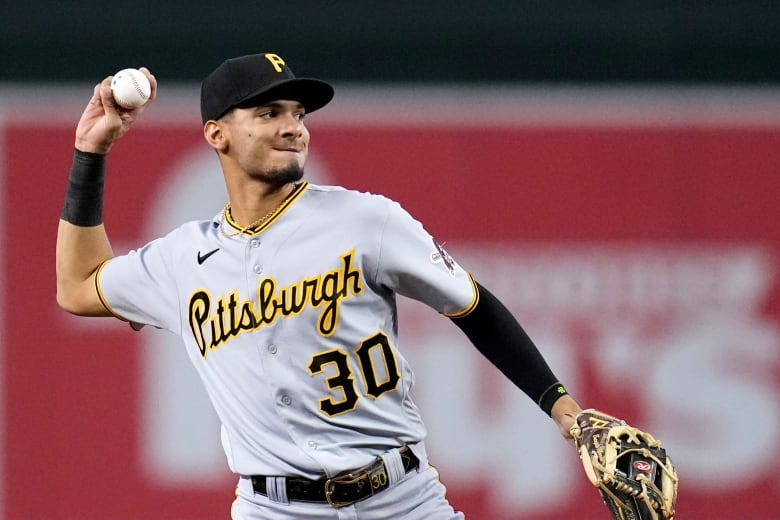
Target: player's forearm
501, 339
82, 243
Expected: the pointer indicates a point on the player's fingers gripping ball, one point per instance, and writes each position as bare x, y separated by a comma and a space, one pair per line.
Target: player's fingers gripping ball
630, 468
130, 88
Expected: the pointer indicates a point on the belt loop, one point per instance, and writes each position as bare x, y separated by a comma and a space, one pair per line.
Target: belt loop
394, 466
277, 489
419, 451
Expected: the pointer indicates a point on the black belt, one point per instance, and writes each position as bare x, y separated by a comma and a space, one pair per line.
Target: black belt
341, 490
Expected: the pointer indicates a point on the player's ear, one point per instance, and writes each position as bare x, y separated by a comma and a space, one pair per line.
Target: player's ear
216, 135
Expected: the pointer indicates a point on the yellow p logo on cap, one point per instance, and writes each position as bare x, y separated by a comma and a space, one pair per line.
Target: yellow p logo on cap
276, 61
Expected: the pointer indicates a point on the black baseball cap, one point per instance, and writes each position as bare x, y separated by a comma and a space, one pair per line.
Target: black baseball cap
257, 78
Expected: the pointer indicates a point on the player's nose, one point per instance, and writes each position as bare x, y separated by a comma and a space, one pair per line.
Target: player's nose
291, 125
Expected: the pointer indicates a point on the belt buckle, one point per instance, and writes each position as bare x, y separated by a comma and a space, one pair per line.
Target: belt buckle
349, 478
375, 478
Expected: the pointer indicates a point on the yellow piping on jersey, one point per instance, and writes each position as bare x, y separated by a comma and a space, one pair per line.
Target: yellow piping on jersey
100, 295
273, 217
133, 325
470, 307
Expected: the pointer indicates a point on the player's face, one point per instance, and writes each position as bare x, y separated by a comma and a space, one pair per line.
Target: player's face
270, 142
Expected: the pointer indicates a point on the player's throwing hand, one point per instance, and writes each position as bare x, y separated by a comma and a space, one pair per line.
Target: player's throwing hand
104, 121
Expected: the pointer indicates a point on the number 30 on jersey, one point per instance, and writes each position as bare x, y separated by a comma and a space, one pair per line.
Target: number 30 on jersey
370, 354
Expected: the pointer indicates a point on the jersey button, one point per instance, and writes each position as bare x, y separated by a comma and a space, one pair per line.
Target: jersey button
272, 348
312, 445
286, 400
255, 243
257, 268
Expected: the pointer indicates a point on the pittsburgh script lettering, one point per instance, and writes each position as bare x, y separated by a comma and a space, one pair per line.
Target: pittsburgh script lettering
213, 325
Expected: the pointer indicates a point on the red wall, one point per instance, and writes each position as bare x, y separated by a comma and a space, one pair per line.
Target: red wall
629, 196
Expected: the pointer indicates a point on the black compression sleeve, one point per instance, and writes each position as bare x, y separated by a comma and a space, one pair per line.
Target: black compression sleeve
501, 339
84, 198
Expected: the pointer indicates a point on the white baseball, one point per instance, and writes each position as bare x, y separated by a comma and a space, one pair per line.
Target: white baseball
130, 88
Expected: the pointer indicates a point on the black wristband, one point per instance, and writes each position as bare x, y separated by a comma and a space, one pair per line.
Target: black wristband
548, 398
84, 198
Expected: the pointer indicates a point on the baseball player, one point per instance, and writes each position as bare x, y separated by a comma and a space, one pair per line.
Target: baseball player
285, 302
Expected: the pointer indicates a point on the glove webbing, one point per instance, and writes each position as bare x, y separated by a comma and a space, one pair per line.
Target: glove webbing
642, 480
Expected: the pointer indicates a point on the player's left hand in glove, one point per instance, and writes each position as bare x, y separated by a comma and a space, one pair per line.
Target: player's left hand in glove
630, 468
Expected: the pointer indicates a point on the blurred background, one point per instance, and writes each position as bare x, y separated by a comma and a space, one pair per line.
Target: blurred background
611, 170
439, 41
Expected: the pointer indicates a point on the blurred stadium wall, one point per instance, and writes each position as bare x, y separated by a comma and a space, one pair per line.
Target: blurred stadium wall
610, 171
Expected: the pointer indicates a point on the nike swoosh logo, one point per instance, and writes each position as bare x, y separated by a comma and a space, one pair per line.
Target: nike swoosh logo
203, 258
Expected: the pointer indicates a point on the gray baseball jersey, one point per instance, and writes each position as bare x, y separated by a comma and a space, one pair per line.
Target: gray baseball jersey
293, 327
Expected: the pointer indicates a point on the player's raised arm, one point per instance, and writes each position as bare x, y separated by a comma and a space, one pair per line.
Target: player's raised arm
82, 243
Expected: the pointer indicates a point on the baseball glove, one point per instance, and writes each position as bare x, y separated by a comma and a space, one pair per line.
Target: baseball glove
633, 473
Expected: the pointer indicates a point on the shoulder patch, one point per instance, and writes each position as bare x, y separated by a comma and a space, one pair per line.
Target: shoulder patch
441, 256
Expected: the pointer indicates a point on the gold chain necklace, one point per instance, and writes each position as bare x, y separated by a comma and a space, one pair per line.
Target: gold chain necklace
257, 222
